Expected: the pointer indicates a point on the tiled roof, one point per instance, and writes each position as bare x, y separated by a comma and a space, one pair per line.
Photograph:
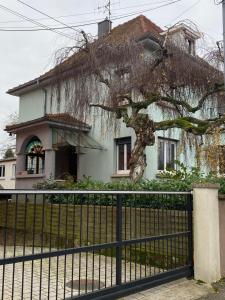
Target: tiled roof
132, 29
62, 118
7, 159
65, 118
135, 28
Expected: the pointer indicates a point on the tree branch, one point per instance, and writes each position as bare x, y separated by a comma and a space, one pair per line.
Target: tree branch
153, 98
104, 107
120, 111
189, 108
191, 124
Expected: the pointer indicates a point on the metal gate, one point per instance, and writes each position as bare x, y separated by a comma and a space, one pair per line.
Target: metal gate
92, 244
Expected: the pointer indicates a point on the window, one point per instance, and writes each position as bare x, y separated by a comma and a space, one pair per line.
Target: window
2, 171
13, 170
191, 46
35, 157
166, 154
123, 147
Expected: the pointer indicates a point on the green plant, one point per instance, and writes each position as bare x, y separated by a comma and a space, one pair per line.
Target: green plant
182, 180
182, 172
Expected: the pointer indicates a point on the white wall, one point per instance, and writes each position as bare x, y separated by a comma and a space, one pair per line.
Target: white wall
8, 182
31, 105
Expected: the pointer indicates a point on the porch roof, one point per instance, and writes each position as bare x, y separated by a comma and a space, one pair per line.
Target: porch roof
54, 120
75, 138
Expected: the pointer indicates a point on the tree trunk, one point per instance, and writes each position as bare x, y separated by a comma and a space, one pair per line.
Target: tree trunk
137, 162
138, 158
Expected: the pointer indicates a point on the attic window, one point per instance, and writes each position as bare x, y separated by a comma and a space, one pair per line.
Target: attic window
191, 46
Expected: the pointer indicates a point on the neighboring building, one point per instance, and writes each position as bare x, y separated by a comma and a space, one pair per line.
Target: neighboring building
8, 173
50, 143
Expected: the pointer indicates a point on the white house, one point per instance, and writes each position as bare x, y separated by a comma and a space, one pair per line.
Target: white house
47, 141
8, 173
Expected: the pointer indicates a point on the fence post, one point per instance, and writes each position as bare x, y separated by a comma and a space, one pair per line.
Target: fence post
190, 229
119, 206
206, 233
222, 233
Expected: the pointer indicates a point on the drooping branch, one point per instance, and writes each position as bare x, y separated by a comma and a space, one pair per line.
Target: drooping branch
104, 107
187, 106
101, 78
120, 111
191, 124
150, 99
154, 98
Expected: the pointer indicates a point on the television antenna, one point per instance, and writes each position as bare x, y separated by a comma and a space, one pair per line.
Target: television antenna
107, 8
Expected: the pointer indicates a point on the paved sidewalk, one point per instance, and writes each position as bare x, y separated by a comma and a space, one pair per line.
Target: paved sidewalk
182, 289
51, 278
218, 291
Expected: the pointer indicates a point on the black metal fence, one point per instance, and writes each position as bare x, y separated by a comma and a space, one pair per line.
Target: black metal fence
92, 244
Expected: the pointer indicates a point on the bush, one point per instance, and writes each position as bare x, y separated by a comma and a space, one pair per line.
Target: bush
150, 201
181, 180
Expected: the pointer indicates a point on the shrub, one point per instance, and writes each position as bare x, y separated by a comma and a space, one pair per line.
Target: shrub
181, 180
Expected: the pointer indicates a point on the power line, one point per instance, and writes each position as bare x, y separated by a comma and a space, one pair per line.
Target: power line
90, 23
218, 2
46, 15
90, 12
33, 21
186, 10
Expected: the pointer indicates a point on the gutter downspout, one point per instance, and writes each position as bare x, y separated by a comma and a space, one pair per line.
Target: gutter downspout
45, 101
45, 97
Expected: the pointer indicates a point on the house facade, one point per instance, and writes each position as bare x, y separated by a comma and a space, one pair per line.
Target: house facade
8, 173
50, 143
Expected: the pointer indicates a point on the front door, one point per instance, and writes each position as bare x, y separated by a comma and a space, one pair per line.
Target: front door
66, 162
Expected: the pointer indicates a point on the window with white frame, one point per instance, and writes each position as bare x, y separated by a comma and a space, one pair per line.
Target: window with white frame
2, 171
166, 153
123, 150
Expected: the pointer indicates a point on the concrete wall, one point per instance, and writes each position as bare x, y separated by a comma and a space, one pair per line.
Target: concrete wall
101, 164
207, 247
8, 182
31, 105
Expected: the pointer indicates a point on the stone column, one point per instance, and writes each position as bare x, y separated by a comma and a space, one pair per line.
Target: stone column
206, 233
50, 164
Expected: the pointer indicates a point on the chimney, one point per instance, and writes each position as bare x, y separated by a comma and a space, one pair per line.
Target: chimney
104, 27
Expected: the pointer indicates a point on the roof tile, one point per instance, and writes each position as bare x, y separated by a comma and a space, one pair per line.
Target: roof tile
62, 118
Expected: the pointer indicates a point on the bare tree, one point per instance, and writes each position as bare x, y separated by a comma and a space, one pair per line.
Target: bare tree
126, 77
215, 56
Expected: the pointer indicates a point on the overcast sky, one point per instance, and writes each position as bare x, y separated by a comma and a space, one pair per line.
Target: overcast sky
26, 55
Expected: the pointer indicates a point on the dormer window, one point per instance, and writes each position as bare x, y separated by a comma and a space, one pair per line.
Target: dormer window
191, 46
184, 37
